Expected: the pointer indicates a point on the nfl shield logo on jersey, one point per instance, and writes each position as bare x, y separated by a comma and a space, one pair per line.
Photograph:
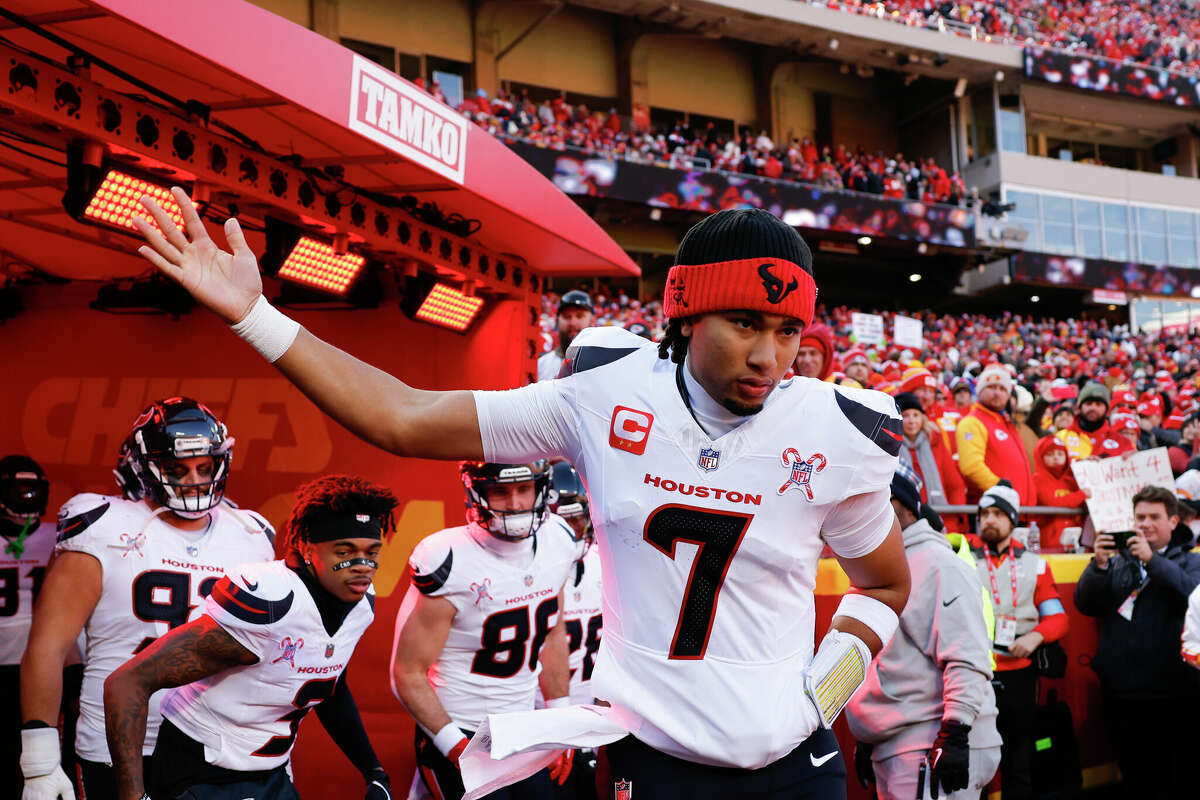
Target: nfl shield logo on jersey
623, 790
329, 650
709, 459
801, 470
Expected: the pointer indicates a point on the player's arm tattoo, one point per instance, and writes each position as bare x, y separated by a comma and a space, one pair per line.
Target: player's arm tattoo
188, 653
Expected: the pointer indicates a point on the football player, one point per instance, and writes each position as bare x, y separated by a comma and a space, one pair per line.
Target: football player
717, 485
126, 572
27, 545
575, 775
273, 642
481, 625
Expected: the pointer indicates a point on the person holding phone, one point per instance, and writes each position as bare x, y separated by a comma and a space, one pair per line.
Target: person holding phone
1138, 585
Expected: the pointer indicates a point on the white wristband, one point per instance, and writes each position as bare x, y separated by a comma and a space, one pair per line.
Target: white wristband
876, 615
267, 329
448, 738
40, 751
559, 702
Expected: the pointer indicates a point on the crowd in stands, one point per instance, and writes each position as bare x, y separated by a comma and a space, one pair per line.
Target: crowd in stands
1158, 33
1077, 389
558, 124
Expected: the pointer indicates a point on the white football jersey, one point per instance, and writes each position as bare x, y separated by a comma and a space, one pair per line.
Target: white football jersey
709, 547
489, 664
247, 717
584, 622
155, 577
20, 581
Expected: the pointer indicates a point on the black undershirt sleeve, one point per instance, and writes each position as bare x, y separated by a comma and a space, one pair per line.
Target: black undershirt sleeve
340, 718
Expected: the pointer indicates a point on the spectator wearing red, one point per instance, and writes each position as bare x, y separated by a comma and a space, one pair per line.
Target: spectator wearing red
989, 444
1150, 416
856, 365
814, 359
919, 381
1089, 429
1056, 486
1124, 429
1183, 452
931, 458
961, 389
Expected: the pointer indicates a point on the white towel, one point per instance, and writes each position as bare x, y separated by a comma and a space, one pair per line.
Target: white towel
510, 747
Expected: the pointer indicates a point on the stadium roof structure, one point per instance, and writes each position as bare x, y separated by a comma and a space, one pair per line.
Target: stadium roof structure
268, 117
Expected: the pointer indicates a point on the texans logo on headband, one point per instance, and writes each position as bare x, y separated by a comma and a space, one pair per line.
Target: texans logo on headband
776, 291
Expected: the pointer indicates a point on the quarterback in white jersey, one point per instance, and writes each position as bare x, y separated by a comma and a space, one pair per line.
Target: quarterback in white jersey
274, 641
128, 571
481, 620
715, 486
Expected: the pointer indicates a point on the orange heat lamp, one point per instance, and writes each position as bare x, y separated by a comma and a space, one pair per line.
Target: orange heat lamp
115, 202
449, 307
315, 263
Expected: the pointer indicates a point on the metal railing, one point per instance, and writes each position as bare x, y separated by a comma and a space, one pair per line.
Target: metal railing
1049, 511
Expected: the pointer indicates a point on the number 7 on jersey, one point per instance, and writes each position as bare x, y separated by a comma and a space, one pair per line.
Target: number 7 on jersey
718, 534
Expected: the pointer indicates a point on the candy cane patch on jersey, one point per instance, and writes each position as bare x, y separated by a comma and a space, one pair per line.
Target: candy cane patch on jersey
802, 470
289, 649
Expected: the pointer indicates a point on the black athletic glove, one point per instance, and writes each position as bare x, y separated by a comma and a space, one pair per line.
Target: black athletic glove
950, 758
378, 785
863, 768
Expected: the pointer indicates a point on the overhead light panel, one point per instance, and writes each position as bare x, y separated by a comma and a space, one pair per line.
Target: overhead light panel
449, 307
107, 194
427, 299
314, 263
116, 203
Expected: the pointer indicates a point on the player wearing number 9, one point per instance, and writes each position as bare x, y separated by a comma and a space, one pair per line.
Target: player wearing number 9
127, 570
480, 625
273, 642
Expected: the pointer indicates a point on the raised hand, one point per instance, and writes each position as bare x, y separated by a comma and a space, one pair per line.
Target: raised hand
226, 283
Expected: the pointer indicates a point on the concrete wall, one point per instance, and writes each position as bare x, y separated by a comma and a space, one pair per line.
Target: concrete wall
1071, 177
692, 73
431, 27
573, 50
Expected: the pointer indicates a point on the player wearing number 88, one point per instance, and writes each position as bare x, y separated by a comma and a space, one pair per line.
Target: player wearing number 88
126, 572
273, 642
480, 626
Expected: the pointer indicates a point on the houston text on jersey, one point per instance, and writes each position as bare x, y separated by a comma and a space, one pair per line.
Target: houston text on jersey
730, 495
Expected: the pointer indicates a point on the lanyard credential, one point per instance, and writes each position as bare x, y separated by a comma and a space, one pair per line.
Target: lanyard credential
992, 575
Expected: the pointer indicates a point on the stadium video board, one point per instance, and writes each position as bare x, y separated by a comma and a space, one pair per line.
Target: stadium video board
1096, 273
706, 191
1112, 77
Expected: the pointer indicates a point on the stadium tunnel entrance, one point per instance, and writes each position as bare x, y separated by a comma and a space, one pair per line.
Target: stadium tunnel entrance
388, 225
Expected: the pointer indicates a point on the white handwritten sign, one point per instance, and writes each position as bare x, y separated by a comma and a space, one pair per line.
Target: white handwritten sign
867, 328
907, 332
1114, 482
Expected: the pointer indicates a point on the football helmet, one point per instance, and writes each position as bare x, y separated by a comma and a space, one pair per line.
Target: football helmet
569, 500
172, 429
24, 490
479, 476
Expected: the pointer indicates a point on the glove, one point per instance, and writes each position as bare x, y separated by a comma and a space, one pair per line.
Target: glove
378, 785
41, 765
560, 770
49, 787
950, 758
864, 768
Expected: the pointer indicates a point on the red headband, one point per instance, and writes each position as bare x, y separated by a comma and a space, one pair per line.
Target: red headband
769, 285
